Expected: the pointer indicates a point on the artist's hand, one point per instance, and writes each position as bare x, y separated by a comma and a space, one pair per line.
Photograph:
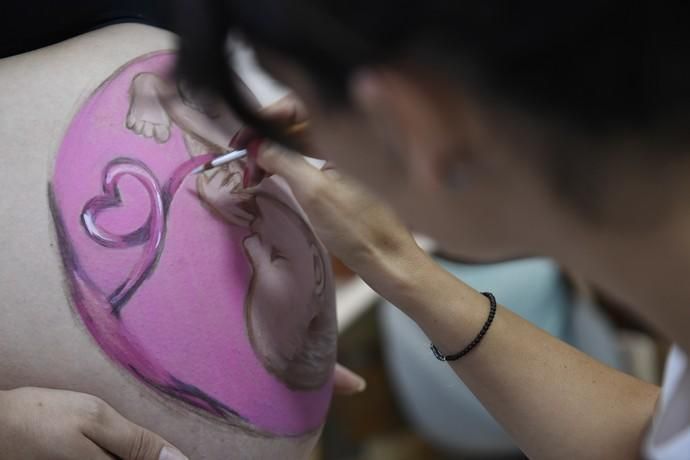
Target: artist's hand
355, 226
38, 424
346, 382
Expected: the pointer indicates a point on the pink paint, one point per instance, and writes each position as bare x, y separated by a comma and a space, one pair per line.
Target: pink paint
159, 282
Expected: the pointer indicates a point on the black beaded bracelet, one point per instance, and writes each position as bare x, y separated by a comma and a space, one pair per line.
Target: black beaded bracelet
492, 312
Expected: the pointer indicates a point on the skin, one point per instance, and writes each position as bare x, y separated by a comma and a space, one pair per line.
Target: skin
90, 428
463, 171
39, 94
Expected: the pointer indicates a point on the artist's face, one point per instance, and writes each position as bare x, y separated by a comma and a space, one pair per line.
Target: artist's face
462, 174
485, 211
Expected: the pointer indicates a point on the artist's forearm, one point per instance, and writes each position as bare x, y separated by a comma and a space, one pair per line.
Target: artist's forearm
554, 400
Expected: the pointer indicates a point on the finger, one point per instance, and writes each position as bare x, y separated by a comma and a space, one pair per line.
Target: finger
237, 217
234, 178
234, 181
88, 449
304, 179
127, 440
131, 119
346, 382
275, 159
148, 129
139, 126
289, 110
162, 133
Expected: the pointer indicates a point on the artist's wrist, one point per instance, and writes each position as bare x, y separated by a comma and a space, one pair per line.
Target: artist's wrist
416, 283
396, 275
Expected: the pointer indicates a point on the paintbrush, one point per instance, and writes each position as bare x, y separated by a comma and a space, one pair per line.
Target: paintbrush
220, 160
227, 157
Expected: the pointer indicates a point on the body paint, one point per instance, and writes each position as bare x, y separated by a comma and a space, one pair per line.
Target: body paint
163, 285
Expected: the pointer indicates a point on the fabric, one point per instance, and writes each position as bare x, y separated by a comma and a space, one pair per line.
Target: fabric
669, 434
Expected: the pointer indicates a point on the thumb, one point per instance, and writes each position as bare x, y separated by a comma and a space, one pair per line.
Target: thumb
145, 445
346, 382
127, 440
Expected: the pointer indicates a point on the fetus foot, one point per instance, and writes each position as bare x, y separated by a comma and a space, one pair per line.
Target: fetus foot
147, 116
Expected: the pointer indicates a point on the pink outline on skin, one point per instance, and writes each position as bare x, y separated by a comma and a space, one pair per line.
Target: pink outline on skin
173, 317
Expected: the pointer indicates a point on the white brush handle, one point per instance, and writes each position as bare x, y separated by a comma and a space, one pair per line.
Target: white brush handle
221, 160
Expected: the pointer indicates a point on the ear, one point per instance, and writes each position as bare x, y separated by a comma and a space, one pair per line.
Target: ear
319, 270
415, 117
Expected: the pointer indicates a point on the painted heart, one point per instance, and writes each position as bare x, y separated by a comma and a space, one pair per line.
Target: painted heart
150, 234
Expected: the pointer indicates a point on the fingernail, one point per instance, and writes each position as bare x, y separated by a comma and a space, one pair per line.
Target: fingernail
168, 453
358, 383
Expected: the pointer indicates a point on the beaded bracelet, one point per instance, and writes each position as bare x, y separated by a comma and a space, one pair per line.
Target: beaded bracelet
492, 312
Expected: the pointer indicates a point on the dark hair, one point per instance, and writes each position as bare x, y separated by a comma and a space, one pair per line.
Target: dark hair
598, 67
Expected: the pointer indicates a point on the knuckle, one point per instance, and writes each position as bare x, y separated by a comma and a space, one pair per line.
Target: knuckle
137, 446
142, 445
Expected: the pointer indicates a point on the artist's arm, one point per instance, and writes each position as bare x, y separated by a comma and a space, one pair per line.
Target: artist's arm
555, 401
